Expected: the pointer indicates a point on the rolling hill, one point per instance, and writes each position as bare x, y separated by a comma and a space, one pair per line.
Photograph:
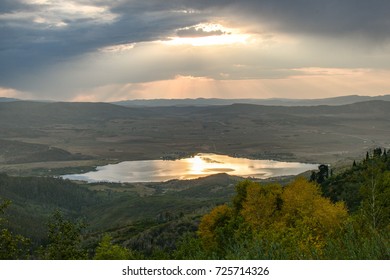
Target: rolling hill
101, 131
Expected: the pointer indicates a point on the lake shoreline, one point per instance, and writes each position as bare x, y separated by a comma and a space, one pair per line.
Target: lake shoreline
199, 165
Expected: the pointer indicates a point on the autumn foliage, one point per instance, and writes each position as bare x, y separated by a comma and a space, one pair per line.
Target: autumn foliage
295, 217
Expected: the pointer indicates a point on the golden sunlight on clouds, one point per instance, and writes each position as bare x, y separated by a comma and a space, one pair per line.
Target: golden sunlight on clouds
207, 34
331, 82
12, 93
324, 83
317, 71
209, 40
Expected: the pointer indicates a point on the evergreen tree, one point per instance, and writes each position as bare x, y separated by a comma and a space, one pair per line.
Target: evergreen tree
108, 251
12, 246
64, 238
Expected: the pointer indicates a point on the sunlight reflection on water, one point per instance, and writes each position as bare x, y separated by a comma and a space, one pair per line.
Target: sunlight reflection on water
200, 165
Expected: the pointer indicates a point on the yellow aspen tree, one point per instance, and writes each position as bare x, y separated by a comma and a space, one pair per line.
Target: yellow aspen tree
217, 218
310, 216
262, 204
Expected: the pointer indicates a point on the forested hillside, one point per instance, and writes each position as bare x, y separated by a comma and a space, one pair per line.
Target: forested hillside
148, 217
345, 216
364, 187
34, 199
337, 215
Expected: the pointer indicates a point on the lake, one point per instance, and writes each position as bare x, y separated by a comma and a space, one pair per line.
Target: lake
200, 165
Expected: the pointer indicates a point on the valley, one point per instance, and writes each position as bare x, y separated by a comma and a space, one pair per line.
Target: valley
40, 141
38, 137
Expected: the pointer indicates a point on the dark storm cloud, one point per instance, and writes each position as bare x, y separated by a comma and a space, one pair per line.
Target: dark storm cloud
7, 6
137, 21
367, 19
26, 46
197, 32
329, 18
33, 37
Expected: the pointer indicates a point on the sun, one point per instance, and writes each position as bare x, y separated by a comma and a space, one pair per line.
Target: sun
207, 34
197, 165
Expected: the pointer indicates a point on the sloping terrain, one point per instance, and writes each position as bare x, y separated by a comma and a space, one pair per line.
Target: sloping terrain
106, 206
78, 131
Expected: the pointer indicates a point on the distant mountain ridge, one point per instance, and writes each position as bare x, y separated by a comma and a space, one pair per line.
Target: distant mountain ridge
203, 102
333, 101
7, 99
30, 112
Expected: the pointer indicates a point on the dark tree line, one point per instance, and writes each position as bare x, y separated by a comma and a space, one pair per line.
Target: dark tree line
364, 187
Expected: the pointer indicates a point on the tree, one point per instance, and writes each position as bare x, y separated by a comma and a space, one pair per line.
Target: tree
303, 199
64, 238
292, 221
377, 153
365, 188
375, 191
322, 174
189, 247
262, 205
12, 246
108, 251
241, 195
310, 217
213, 228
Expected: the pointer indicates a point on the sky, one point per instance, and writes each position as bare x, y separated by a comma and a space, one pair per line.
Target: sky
100, 50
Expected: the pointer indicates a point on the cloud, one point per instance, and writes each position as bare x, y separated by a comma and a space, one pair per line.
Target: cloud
368, 19
7, 6
276, 59
61, 48
39, 34
306, 83
12, 93
51, 14
201, 30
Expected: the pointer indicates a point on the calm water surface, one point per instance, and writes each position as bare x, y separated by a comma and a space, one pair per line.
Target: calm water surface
200, 165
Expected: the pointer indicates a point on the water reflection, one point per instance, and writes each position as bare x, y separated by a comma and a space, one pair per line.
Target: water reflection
200, 165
